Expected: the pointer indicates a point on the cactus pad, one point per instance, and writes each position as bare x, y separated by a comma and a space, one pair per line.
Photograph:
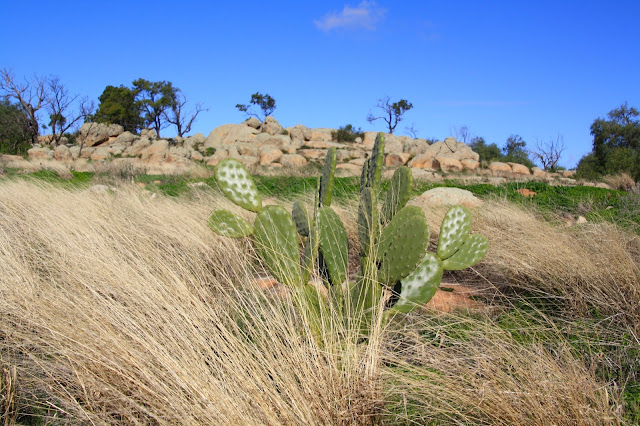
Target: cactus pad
333, 244
391, 230
455, 229
420, 286
301, 219
365, 174
398, 193
310, 254
277, 244
328, 172
228, 224
407, 246
368, 225
471, 252
236, 183
377, 160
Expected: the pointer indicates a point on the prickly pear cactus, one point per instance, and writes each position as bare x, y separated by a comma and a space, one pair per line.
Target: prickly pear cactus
403, 244
398, 239
368, 226
455, 229
333, 244
420, 285
228, 224
398, 194
471, 252
236, 183
277, 244
328, 173
301, 218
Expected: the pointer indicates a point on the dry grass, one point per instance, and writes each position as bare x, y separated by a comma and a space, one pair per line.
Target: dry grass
122, 308
622, 181
467, 371
585, 267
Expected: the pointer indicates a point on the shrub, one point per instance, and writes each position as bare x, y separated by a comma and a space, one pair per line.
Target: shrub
347, 133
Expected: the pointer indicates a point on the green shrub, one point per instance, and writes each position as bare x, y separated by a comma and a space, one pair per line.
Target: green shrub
347, 133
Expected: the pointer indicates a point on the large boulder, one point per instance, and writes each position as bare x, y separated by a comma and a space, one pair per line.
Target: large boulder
40, 154
423, 161
499, 169
228, 134
137, 147
415, 146
293, 161
177, 153
194, 141
62, 153
253, 122
281, 141
313, 154
300, 133
271, 126
447, 197
519, 169
217, 156
269, 155
469, 164
96, 133
321, 134
149, 134
100, 154
538, 172
157, 152
126, 138
447, 164
396, 159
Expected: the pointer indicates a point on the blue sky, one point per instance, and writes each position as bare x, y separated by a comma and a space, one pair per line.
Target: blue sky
537, 69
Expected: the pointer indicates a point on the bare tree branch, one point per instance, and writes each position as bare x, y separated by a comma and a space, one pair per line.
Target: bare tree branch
392, 112
548, 153
59, 107
180, 117
31, 95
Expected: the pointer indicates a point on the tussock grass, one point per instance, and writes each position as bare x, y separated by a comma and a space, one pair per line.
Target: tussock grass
123, 308
461, 370
593, 267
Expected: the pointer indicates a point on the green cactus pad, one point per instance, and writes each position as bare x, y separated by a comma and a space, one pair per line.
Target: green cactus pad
310, 254
398, 193
391, 230
277, 244
407, 247
368, 225
365, 174
334, 244
471, 252
328, 173
420, 286
228, 224
455, 229
237, 184
301, 219
377, 160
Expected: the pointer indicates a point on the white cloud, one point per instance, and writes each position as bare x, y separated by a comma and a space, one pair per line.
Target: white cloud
364, 16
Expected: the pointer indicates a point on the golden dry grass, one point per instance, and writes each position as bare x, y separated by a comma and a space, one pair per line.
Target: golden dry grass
120, 308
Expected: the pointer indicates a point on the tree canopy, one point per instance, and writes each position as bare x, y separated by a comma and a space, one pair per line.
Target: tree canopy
118, 106
265, 102
392, 112
616, 144
16, 131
